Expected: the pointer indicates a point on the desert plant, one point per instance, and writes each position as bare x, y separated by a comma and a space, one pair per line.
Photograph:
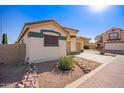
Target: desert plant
4, 39
65, 63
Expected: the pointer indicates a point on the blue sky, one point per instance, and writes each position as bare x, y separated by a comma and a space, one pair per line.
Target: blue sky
90, 22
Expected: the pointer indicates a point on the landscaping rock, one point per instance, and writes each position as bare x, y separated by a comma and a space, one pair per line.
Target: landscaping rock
30, 79
87, 70
84, 68
20, 85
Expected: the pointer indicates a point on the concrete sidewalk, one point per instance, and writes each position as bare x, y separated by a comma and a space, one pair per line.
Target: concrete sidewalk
111, 76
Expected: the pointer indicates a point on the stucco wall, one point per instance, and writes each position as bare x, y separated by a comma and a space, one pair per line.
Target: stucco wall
12, 53
46, 27
73, 44
35, 49
106, 34
82, 45
40, 53
122, 35
114, 46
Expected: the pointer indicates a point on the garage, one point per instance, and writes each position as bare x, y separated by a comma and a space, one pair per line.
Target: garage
115, 47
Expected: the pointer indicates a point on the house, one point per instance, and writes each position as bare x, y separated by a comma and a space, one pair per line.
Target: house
86, 42
92, 46
112, 40
47, 40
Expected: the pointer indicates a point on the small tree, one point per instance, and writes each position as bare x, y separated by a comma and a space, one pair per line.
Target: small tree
4, 39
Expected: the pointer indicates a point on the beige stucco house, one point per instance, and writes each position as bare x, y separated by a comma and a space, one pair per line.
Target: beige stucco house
47, 40
112, 40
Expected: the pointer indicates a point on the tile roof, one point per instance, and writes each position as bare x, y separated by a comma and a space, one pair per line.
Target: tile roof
71, 29
44, 21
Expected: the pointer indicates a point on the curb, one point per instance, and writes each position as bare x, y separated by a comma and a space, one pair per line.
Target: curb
79, 81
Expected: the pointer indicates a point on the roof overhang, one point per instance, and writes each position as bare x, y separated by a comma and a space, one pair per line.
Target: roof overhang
27, 26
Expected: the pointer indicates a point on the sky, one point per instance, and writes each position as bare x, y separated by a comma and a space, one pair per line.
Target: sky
89, 20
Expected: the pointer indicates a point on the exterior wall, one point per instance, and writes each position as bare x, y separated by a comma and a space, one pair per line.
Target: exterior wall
12, 53
80, 45
25, 41
46, 27
99, 39
86, 42
106, 34
72, 40
72, 32
92, 46
35, 49
114, 46
117, 44
122, 35
73, 44
37, 52
40, 53
68, 47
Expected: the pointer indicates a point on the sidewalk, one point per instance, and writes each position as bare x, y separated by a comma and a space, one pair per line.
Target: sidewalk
111, 76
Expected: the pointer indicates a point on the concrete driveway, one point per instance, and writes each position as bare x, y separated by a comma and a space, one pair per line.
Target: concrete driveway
108, 75
111, 76
94, 55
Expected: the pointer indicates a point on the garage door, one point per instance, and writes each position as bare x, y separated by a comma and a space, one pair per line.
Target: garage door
114, 46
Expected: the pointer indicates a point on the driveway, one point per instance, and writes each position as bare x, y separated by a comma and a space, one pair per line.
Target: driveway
111, 76
94, 56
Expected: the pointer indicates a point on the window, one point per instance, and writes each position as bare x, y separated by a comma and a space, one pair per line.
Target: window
51, 40
113, 36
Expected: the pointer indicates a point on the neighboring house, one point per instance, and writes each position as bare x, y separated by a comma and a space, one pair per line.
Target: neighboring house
86, 42
92, 46
47, 40
112, 40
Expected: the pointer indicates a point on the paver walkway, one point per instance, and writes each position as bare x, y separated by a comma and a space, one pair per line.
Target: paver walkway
111, 76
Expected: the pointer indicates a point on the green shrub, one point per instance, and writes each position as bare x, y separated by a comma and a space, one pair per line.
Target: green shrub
4, 39
65, 63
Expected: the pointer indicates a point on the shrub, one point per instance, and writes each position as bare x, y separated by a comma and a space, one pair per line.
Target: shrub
4, 39
65, 63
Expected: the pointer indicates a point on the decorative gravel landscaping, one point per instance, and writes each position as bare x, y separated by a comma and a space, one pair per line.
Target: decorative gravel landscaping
48, 74
51, 77
10, 74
